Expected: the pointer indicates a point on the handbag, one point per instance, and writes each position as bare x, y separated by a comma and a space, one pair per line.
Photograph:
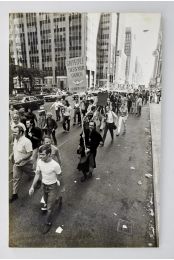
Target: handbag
114, 126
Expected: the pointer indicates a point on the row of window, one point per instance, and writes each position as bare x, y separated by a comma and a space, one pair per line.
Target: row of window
31, 24
104, 36
59, 19
45, 41
33, 51
74, 48
59, 29
46, 58
42, 32
75, 27
32, 34
34, 59
46, 50
59, 39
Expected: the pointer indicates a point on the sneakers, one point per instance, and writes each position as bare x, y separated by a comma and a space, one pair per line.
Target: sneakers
46, 228
44, 208
13, 198
83, 178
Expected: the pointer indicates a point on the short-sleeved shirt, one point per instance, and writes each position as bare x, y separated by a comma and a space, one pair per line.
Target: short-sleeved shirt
67, 111
13, 125
49, 171
21, 147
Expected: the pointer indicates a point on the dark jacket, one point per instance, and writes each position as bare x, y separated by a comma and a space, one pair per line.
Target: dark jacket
36, 137
92, 140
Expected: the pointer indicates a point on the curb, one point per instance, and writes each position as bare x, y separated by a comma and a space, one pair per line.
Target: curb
156, 174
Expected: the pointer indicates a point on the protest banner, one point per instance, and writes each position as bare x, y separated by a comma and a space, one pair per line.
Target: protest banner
76, 73
102, 98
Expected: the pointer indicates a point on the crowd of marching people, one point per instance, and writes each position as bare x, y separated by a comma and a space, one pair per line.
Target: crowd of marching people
35, 146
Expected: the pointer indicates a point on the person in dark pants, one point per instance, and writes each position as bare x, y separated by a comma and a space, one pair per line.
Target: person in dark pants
110, 119
88, 151
77, 112
66, 116
51, 127
129, 103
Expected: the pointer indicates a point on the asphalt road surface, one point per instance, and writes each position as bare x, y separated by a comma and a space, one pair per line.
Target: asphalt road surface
113, 209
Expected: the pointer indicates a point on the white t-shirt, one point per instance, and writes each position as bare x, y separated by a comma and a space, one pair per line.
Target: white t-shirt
110, 118
49, 171
67, 111
21, 147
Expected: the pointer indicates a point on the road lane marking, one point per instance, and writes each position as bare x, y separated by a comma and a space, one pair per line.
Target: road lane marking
63, 143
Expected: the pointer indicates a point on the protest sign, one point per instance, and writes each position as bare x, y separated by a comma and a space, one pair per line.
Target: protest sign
76, 73
102, 98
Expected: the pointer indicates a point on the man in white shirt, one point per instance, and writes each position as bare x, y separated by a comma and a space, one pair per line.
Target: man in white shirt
16, 121
111, 120
57, 105
49, 170
22, 152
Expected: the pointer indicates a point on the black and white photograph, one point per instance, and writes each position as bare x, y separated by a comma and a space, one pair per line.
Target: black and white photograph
85, 96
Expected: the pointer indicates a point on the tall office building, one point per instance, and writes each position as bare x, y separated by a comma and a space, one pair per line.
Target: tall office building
46, 40
121, 57
127, 50
137, 73
157, 72
106, 48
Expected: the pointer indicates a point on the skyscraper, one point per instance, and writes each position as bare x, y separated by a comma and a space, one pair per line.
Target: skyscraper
127, 50
46, 40
106, 43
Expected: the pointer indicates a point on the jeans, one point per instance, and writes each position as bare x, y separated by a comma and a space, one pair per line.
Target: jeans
50, 194
66, 123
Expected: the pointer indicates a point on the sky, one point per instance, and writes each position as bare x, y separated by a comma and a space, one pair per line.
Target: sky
146, 42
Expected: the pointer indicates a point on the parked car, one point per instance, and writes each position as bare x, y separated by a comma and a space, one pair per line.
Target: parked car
50, 98
26, 102
53, 97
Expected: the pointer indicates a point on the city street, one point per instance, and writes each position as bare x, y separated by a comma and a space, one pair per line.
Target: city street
115, 208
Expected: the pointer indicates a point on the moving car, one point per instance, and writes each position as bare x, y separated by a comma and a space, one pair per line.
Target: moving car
26, 102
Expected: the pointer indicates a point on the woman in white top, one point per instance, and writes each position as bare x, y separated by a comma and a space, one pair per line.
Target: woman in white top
67, 116
110, 125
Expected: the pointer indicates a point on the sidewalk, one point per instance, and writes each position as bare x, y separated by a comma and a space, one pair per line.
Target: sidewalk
155, 118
